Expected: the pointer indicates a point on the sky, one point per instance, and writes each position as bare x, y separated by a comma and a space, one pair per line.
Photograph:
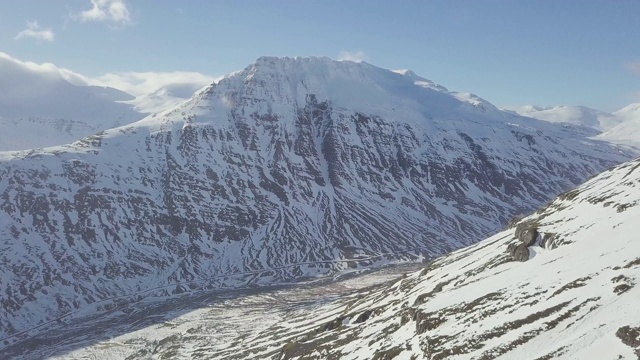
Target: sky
510, 52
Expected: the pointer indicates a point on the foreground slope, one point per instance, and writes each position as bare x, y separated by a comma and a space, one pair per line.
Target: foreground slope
575, 296
287, 169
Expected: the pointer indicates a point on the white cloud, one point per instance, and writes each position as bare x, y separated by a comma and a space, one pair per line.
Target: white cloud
34, 31
633, 67
115, 11
9, 64
357, 56
134, 83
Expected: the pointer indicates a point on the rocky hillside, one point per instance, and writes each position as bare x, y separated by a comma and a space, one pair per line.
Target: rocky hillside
287, 169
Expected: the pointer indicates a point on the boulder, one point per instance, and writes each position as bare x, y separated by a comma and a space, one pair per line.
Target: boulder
526, 233
629, 336
547, 239
518, 251
363, 317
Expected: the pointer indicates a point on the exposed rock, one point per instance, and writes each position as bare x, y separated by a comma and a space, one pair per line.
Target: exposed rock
621, 289
422, 298
427, 321
363, 317
629, 336
626, 285
387, 354
547, 239
332, 325
527, 233
518, 251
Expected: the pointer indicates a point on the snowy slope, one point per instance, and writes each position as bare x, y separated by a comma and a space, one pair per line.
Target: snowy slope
40, 108
287, 169
165, 97
628, 132
578, 115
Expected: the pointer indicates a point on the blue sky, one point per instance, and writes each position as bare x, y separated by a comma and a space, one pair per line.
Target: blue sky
511, 52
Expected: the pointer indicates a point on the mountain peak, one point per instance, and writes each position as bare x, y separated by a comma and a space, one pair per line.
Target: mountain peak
357, 86
629, 110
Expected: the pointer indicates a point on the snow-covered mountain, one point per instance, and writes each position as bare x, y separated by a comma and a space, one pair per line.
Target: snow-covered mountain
42, 105
165, 97
628, 131
620, 127
629, 112
579, 115
287, 169
39, 107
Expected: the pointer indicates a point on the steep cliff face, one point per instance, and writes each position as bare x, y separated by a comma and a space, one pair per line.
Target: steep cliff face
283, 170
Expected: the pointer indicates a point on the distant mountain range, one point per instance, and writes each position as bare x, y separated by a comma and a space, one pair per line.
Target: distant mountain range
579, 115
622, 126
291, 168
628, 131
39, 107
42, 105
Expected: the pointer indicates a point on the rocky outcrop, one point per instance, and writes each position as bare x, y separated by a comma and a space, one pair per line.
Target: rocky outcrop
630, 336
547, 239
527, 233
518, 251
513, 222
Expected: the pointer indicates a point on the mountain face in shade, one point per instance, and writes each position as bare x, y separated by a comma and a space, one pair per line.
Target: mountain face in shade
287, 169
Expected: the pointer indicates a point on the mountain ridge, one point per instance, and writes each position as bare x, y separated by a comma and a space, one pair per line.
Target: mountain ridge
574, 114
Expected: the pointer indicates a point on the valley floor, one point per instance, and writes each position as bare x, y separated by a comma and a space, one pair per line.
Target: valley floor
201, 325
